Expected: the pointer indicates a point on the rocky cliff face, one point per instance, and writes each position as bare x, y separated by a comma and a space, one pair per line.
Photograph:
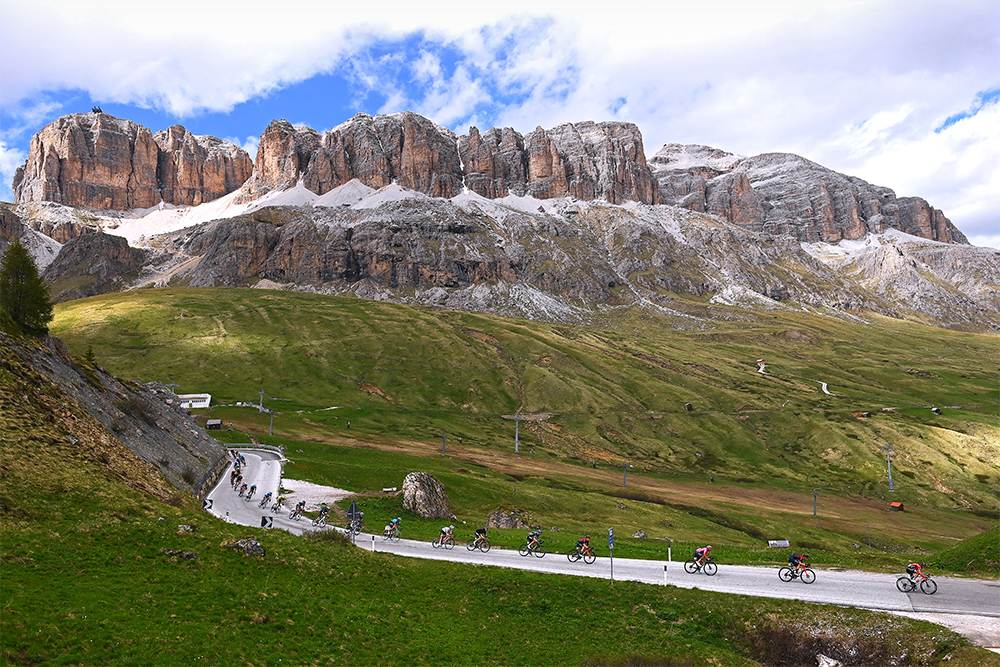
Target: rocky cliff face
779, 193
405, 148
97, 161
93, 264
583, 160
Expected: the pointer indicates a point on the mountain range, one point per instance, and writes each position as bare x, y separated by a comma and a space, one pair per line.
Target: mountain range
560, 224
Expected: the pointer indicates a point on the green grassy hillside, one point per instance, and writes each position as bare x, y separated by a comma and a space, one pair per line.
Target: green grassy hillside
611, 394
95, 571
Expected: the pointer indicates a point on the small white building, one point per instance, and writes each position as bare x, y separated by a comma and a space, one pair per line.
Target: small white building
191, 401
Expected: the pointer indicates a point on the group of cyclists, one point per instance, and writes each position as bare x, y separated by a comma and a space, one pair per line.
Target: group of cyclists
798, 567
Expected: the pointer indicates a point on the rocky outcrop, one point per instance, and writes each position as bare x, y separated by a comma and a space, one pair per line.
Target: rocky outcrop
508, 519
404, 148
584, 160
191, 170
93, 264
97, 161
784, 194
42, 248
425, 496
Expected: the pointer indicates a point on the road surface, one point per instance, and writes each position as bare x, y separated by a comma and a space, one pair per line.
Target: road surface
839, 587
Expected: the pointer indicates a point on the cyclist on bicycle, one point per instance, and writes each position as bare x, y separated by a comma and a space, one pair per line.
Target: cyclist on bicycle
446, 533
324, 512
534, 536
253, 490
583, 544
913, 569
795, 561
266, 499
702, 553
481, 533
243, 488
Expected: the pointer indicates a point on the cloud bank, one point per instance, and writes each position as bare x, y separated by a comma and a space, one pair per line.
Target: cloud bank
901, 94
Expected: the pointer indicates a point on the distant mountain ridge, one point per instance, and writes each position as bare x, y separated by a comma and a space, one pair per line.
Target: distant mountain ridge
97, 161
558, 225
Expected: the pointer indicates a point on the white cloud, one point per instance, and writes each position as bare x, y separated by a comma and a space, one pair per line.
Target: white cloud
857, 86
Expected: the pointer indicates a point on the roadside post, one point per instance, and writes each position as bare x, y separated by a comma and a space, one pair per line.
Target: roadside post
611, 550
664, 575
373, 543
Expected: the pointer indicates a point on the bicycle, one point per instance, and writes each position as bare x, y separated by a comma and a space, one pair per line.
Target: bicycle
587, 554
448, 542
263, 502
698, 564
276, 507
800, 571
354, 527
320, 520
296, 514
533, 547
909, 584
480, 542
391, 534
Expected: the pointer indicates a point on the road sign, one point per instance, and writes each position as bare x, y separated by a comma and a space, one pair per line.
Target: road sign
265, 522
206, 503
353, 512
611, 538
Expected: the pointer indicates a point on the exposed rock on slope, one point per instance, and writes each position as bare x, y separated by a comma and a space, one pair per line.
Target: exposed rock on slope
780, 193
97, 161
94, 264
42, 248
103, 414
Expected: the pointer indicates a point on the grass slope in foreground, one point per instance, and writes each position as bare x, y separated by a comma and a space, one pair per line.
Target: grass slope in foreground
94, 574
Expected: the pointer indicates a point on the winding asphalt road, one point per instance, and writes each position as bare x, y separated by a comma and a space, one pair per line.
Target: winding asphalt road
839, 587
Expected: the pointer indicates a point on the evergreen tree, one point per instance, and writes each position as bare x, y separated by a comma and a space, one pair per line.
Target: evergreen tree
23, 295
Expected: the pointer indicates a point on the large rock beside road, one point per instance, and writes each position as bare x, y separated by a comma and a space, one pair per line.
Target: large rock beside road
425, 496
508, 518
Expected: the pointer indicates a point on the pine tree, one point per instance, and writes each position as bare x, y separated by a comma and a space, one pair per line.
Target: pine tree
23, 295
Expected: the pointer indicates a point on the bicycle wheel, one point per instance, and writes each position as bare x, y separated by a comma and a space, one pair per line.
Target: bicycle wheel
928, 586
540, 551
589, 558
808, 576
471, 545
436, 543
524, 551
395, 536
785, 574
904, 585
449, 543
485, 546
573, 556
690, 566
711, 568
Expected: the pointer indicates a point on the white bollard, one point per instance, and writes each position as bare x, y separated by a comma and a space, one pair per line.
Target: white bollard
664, 575
373, 544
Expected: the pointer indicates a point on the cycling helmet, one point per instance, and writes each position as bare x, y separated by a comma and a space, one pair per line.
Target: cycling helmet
588, 537
399, 518
708, 548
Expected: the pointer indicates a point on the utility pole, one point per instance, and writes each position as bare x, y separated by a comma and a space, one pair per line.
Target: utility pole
444, 441
260, 405
888, 463
624, 474
815, 493
270, 431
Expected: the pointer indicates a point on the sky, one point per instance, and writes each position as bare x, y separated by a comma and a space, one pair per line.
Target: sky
900, 93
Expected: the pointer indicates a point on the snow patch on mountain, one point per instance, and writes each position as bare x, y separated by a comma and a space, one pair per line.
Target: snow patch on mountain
348, 194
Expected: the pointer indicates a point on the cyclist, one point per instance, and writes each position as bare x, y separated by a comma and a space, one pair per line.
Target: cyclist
300, 507
702, 553
266, 499
795, 561
253, 490
446, 533
583, 544
243, 488
913, 569
324, 512
281, 502
533, 537
481, 534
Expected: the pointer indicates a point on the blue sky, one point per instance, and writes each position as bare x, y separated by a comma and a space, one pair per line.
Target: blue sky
900, 93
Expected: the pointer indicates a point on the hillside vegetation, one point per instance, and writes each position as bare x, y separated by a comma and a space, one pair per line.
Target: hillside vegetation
747, 456
96, 570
